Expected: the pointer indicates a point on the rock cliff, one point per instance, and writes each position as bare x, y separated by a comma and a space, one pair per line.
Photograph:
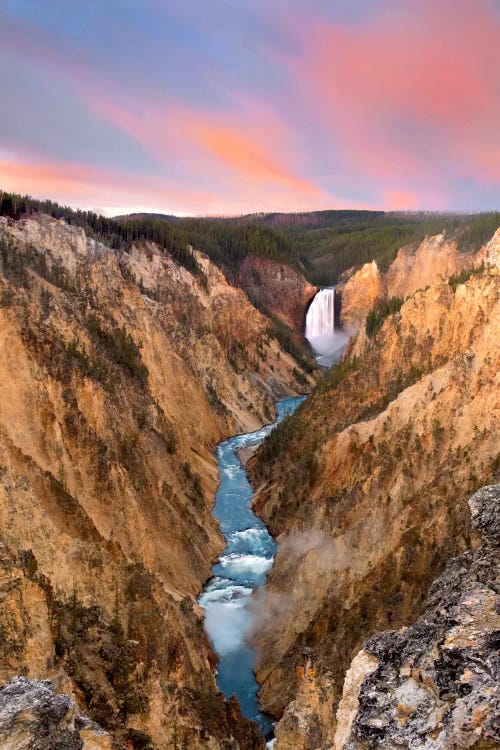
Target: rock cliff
277, 287
119, 373
366, 488
416, 266
359, 294
32, 717
435, 684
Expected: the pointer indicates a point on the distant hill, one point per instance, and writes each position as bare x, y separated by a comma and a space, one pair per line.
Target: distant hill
170, 218
327, 243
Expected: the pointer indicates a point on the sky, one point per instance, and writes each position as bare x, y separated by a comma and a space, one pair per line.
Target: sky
237, 106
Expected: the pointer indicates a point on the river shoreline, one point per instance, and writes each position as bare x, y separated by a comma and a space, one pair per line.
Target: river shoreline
241, 568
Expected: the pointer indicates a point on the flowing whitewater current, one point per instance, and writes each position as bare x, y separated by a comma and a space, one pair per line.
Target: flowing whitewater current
327, 341
242, 567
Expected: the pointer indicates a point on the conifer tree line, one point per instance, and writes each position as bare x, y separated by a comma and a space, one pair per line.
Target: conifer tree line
117, 235
330, 242
321, 244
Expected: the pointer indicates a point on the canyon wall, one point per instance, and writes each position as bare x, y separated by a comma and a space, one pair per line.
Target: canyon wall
278, 288
415, 267
359, 294
434, 684
119, 373
366, 489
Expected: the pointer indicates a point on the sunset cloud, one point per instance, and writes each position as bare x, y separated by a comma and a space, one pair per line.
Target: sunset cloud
78, 184
413, 95
242, 153
277, 106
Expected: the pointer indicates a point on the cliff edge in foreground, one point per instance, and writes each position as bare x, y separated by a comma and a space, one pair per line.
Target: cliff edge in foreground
436, 683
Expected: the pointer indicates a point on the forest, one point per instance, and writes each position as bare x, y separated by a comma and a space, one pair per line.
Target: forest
321, 244
328, 243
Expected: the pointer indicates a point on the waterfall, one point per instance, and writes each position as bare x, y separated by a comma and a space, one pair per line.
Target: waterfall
320, 319
325, 339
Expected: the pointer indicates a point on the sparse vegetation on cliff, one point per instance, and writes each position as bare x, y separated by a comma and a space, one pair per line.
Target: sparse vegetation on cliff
463, 276
376, 316
121, 347
396, 444
116, 235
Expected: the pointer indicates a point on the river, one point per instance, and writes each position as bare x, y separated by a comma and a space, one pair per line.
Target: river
241, 568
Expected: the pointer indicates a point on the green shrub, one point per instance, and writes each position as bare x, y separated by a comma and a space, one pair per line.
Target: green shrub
195, 490
121, 347
376, 316
464, 276
96, 369
336, 374
437, 429
300, 377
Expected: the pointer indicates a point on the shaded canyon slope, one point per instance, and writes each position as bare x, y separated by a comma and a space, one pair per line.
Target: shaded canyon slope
366, 489
119, 373
278, 288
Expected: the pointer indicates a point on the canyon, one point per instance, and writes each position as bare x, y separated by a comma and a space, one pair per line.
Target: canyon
365, 488
121, 372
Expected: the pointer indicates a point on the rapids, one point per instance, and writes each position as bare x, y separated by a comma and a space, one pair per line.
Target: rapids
241, 568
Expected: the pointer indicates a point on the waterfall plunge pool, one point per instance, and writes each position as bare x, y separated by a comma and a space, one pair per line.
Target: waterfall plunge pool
241, 568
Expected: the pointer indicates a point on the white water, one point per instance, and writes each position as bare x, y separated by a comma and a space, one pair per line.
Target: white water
326, 340
240, 569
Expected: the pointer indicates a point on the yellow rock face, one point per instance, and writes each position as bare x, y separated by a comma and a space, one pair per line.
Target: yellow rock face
434, 259
119, 373
367, 492
359, 294
415, 268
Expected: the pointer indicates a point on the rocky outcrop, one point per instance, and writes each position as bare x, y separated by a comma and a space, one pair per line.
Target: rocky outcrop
119, 373
305, 723
490, 253
415, 267
359, 294
435, 684
366, 486
32, 717
278, 288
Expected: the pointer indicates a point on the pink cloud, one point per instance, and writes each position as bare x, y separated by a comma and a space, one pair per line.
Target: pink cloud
248, 142
409, 91
87, 185
400, 200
